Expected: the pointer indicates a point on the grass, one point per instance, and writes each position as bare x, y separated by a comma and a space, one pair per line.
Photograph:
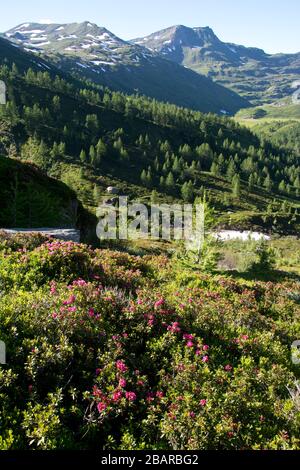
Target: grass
236, 255
268, 112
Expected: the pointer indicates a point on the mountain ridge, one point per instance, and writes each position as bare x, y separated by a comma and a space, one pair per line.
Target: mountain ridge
258, 76
97, 54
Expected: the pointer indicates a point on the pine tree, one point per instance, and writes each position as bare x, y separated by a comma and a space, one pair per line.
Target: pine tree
96, 194
170, 183
251, 181
282, 186
187, 192
144, 177
101, 150
82, 156
92, 155
236, 186
268, 184
215, 169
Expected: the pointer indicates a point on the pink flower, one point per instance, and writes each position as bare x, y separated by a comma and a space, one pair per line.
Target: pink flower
188, 337
228, 368
198, 352
72, 309
205, 359
101, 407
159, 303
53, 288
149, 397
80, 283
160, 394
117, 396
245, 337
205, 347
203, 402
70, 300
121, 366
54, 315
91, 312
131, 396
122, 383
192, 414
98, 371
190, 344
175, 328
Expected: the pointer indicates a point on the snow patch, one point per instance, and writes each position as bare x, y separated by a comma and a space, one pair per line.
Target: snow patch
34, 31
101, 62
34, 37
226, 235
40, 44
63, 38
82, 65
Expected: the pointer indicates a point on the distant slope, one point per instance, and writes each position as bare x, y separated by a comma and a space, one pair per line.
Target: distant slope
281, 109
95, 53
258, 76
11, 54
31, 199
283, 133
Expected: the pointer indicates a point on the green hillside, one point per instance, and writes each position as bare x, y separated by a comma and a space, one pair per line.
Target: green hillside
31, 199
279, 110
90, 137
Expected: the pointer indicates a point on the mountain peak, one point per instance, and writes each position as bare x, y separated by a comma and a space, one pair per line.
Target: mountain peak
68, 37
171, 40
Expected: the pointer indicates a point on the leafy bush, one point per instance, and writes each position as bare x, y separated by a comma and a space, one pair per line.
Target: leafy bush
108, 350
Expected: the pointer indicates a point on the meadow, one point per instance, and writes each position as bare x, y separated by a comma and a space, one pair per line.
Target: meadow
107, 350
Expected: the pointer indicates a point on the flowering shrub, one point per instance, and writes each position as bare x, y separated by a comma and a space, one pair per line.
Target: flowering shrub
108, 350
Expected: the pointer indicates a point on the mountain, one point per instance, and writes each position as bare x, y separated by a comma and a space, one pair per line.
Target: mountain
89, 51
251, 72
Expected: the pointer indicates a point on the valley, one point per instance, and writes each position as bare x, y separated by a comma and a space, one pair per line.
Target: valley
146, 344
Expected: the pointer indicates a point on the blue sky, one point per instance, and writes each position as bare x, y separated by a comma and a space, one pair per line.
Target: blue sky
269, 24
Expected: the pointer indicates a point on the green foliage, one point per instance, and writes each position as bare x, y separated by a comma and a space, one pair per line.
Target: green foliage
266, 258
30, 199
108, 350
